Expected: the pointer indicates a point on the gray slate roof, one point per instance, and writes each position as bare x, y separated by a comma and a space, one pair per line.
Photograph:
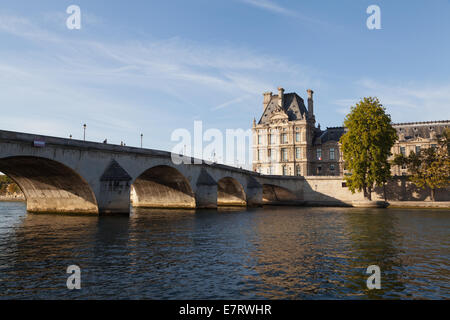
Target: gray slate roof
293, 106
410, 130
330, 134
424, 130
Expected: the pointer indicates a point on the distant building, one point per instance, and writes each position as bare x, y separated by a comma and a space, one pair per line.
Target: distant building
286, 140
414, 136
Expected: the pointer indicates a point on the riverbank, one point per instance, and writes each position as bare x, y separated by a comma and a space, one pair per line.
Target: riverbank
419, 204
366, 204
331, 204
12, 198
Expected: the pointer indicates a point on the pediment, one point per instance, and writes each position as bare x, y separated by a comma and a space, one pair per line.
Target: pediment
278, 115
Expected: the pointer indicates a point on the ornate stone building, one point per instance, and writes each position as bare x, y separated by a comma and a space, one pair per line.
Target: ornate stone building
286, 140
414, 136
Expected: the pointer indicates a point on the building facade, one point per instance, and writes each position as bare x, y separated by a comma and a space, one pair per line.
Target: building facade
414, 136
286, 140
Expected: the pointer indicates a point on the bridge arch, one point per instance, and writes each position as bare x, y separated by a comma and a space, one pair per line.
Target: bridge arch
273, 194
230, 193
162, 186
50, 186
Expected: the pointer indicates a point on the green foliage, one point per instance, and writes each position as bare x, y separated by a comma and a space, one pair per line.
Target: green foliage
7, 186
430, 167
13, 188
5, 179
367, 145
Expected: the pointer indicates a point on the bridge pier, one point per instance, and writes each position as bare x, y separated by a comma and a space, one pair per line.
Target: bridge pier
206, 193
254, 193
114, 197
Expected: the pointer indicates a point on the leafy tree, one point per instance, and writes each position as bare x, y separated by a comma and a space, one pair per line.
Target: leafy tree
3, 189
13, 188
367, 145
7, 185
4, 182
4, 179
429, 167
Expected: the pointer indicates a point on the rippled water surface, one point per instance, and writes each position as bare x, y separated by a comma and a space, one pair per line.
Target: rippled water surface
274, 253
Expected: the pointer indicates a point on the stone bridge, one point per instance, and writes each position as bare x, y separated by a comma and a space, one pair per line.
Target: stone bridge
72, 176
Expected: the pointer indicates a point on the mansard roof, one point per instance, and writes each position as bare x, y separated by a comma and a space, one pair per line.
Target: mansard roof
426, 129
405, 131
330, 134
293, 107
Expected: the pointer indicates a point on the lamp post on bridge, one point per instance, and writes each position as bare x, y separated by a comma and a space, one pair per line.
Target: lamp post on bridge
142, 135
84, 132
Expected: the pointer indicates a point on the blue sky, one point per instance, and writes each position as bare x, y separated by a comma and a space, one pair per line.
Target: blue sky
155, 66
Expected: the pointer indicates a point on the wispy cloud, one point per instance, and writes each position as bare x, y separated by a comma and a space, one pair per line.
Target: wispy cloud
222, 67
270, 6
231, 102
119, 86
410, 101
24, 28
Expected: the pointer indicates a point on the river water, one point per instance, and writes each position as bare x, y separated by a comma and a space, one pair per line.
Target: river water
263, 253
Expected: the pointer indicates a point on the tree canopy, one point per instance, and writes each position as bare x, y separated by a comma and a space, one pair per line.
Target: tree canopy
7, 185
367, 145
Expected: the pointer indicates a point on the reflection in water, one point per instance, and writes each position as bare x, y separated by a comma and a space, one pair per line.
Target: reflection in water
274, 253
299, 252
375, 241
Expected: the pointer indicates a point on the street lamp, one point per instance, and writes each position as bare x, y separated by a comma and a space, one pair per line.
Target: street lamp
141, 139
84, 132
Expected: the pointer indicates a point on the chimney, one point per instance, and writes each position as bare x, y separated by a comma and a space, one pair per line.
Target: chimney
267, 98
310, 103
280, 97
